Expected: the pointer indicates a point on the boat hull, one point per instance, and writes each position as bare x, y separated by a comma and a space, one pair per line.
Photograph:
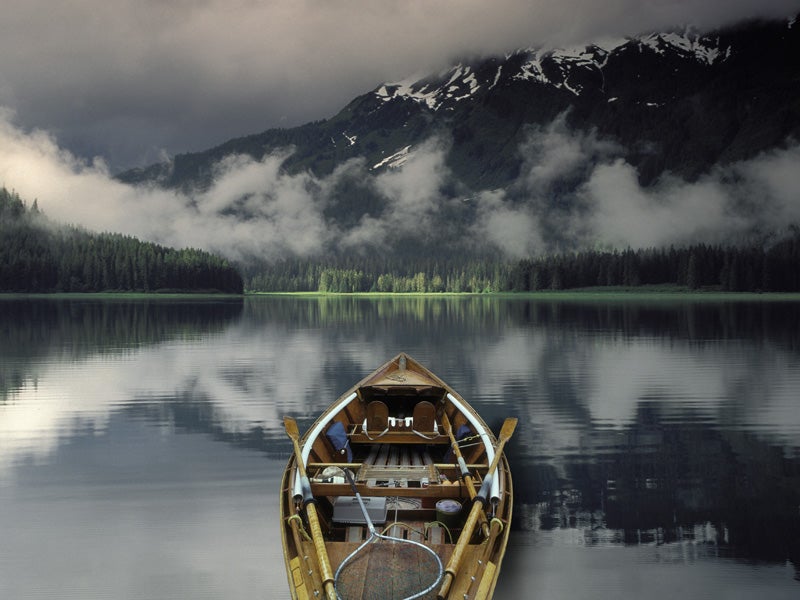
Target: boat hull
393, 433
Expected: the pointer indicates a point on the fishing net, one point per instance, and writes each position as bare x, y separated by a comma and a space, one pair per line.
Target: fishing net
389, 570
388, 566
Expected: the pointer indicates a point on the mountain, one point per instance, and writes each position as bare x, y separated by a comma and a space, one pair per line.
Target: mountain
669, 104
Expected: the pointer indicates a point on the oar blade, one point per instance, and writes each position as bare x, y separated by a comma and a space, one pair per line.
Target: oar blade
509, 425
291, 427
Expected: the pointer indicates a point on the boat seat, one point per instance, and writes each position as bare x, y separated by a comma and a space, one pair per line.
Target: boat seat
424, 416
424, 420
377, 421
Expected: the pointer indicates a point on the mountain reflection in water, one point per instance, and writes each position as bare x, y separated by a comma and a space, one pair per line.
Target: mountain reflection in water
666, 431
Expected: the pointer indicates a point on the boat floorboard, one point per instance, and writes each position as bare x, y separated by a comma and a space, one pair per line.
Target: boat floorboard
386, 570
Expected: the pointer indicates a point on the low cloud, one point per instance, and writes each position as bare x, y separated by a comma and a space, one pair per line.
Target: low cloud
555, 156
514, 230
413, 200
673, 212
275, 213
284, 213
575, 191
736, 202
252, 209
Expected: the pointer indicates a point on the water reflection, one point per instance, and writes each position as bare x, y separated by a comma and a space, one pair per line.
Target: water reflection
661, 483
39, 331
666, 425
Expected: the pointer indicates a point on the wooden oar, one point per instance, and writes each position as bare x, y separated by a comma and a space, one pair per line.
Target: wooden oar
462, 465
489, 569
311, 512
477, 508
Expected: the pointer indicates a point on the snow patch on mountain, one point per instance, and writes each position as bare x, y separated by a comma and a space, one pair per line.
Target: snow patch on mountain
563, 63
396, 160
497, 76
609, 44
555, 66
532, 69
460, 83
351, 139
689, 44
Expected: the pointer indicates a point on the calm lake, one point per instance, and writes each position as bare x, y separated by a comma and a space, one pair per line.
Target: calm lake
657, 453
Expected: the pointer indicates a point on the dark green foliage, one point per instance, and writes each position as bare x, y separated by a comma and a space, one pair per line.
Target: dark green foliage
380, 274
735, 269
39, 256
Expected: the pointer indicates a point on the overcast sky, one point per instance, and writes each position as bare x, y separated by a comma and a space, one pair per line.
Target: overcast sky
133, 80
88, 88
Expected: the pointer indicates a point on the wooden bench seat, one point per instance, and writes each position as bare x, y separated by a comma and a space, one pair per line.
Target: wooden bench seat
432, 491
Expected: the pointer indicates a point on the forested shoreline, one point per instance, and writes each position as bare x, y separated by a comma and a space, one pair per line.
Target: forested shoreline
775, 268
38, 256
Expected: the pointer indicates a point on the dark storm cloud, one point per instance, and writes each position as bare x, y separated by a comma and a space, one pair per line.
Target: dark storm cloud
129, 79
134, 80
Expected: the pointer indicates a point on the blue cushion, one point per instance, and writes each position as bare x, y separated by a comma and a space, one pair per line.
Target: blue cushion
337, 436
463, 432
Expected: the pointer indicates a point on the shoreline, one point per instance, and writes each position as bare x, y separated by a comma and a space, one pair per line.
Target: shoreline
120, 295
599, 293
578, 294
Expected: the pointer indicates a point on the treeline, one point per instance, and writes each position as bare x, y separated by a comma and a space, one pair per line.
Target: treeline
37, 255
371, 274
775, 268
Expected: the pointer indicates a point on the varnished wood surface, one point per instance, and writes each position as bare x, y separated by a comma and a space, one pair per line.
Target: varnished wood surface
386, 570
390, 570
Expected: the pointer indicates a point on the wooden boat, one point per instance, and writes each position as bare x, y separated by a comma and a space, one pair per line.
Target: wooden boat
398, 490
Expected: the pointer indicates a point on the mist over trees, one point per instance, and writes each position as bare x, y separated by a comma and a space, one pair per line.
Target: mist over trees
37, 255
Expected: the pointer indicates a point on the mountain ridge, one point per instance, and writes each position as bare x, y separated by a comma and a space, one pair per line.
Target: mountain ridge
534, 86
538, 150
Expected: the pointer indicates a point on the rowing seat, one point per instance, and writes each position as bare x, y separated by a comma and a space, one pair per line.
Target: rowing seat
377, 420
424, 419
424, 416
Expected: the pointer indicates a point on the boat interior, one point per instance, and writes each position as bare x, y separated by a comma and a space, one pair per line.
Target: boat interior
396, 447
393, 434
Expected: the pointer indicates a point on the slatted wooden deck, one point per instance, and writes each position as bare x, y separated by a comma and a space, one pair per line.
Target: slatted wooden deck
386, 570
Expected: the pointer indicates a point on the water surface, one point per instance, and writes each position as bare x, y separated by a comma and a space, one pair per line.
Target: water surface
141, 442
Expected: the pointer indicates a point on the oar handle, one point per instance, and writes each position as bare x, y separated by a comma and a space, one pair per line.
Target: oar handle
322, 552
311, 513
462, 465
